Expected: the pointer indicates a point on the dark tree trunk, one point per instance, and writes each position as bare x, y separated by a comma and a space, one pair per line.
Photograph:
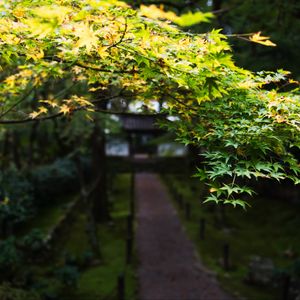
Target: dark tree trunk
32, 140
91, 227
92, 232
16, 150
5, 151
217, 5
63, 148
99, 194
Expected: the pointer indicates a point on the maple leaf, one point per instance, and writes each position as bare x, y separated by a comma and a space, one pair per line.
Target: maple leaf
36, 55
102, 52
52, 103
19, 13
52, 12
65, 109
10, 39
190, 19
10, 81
87, 36
260, 39
35, 114
81, 101
39, 29
154, 12
279, 119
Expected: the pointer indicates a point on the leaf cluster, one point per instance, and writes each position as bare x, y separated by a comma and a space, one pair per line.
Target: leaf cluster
245, 126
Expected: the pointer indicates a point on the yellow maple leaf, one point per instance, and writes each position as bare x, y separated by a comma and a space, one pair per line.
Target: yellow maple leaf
10, 39
34, 114
88, 38
19, 12
293, 81
52, 12
79, 100
279, 119
65, 109
5, 201
10, 81
97, 3
39, 29
52, 103
102, 52
260, 39
154, 12
42, 110
36, 55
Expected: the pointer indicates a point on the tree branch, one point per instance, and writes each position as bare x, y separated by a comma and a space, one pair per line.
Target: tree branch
18, 102
80, 108
121, 38
178, 6
88, 67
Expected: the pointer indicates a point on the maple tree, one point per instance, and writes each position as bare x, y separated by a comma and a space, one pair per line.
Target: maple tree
57, 55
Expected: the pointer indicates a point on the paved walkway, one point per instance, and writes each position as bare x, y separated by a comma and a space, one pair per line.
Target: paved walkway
169, 268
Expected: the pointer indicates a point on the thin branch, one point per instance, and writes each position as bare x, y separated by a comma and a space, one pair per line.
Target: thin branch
182, 6
122, 37
80, 108
18, 102
110, 112
30, 120
181, 102
27, 94
178, 6
130, 50
122, 113
104, 70
88, 67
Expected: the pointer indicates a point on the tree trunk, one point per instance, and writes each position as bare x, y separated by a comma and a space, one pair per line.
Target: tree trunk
16, 150
32, 139
91, 226
63, 148
99, 194
92, 232
5, 151
217, 5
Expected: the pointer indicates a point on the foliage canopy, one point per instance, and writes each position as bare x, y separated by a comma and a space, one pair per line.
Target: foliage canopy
245, 125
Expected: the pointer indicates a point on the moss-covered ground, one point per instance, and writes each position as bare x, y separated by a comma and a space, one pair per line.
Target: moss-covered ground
100, 281
48, 216
95, 278
270, 229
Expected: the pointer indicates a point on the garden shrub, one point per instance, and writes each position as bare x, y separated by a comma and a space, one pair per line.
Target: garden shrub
51, 181
16, 202
33, 243
10, 258
7, 292
68, 275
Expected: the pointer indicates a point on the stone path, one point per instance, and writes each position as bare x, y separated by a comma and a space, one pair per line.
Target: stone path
168, 266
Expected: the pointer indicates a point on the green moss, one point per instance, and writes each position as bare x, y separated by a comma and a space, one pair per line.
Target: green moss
267, 229
77, 242
97, 280
100, 281
47, 217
